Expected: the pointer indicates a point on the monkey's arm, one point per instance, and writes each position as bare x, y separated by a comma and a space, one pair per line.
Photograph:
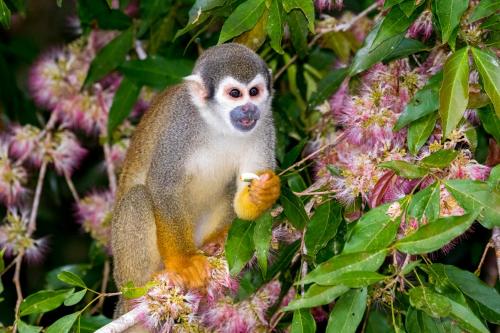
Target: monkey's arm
253, 199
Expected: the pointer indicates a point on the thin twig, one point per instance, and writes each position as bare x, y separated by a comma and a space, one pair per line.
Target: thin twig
483, 257
17, 283
71, 187
36, 199
104, 284
9, 266
337, 140
348, 25
301, 194
496, 241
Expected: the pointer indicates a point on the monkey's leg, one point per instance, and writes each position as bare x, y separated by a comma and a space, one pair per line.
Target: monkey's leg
179, 253
252, 200
133, 239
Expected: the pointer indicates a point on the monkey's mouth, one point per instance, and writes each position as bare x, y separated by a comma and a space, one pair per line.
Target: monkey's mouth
244, 121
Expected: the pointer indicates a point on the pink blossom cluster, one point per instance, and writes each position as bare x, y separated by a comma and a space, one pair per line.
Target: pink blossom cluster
171, 308
365, 116
94, 214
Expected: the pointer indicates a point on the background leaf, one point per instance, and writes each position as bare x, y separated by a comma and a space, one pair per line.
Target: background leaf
244, 18
348, 312
262, 238
419, 132
303, 322
123, 102
488, 65
449, 13
239, 245
454, 92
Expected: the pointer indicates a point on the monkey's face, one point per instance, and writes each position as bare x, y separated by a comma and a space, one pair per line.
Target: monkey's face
241, 105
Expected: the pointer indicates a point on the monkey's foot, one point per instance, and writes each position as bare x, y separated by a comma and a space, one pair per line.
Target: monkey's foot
191, 272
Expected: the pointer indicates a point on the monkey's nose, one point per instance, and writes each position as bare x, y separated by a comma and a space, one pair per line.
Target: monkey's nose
248, 107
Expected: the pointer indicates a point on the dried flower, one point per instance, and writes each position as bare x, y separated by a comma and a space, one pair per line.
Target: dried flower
422, 27
94, 214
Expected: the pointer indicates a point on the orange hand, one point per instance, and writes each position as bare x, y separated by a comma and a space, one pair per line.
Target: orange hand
259, 196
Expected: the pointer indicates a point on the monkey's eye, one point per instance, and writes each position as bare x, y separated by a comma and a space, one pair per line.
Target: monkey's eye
235, 93
254, 91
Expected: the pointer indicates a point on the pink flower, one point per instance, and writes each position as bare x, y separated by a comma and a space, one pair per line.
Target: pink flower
167, 305
94, 214
220, 281
15, 239
13, 177
25, 144
65, 152
226, 317
422, 27
56, 75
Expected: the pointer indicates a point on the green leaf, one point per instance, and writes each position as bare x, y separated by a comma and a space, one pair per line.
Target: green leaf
22, 327
293, 209
274, 26
405, 169
316, 295
454, 92
426, 203
393, 24
75, 298
490, 122
244, 18
475, 195
410, 267
484, 8
358, 279
466, 318
408, 7
303, 322
370, 54
492, 23
322, 227
338, 265
262, 235
405, 48
327, 86
156, 72
488, 66
348, 312
440, 159
433, 304
297, 23
375, 230
283, 259
123, 102
239, 245
53, 282
43, 301
63, 324
199, 13
449, 13
130, 291
2, 262
418, 321
436, 234
425, 101
71, 278
390, 3
476, 289
4, 14
419, 132
110, 56
494, 179
306, 6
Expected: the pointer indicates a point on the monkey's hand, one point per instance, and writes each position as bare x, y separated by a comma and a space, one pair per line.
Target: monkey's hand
259, 196
191, 271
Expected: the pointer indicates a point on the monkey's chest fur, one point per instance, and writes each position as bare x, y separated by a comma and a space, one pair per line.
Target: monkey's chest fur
212, 171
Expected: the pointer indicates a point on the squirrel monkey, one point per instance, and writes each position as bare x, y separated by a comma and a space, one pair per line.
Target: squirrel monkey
180, 187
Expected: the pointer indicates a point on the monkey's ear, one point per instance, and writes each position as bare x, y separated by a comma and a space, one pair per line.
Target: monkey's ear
197, 88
